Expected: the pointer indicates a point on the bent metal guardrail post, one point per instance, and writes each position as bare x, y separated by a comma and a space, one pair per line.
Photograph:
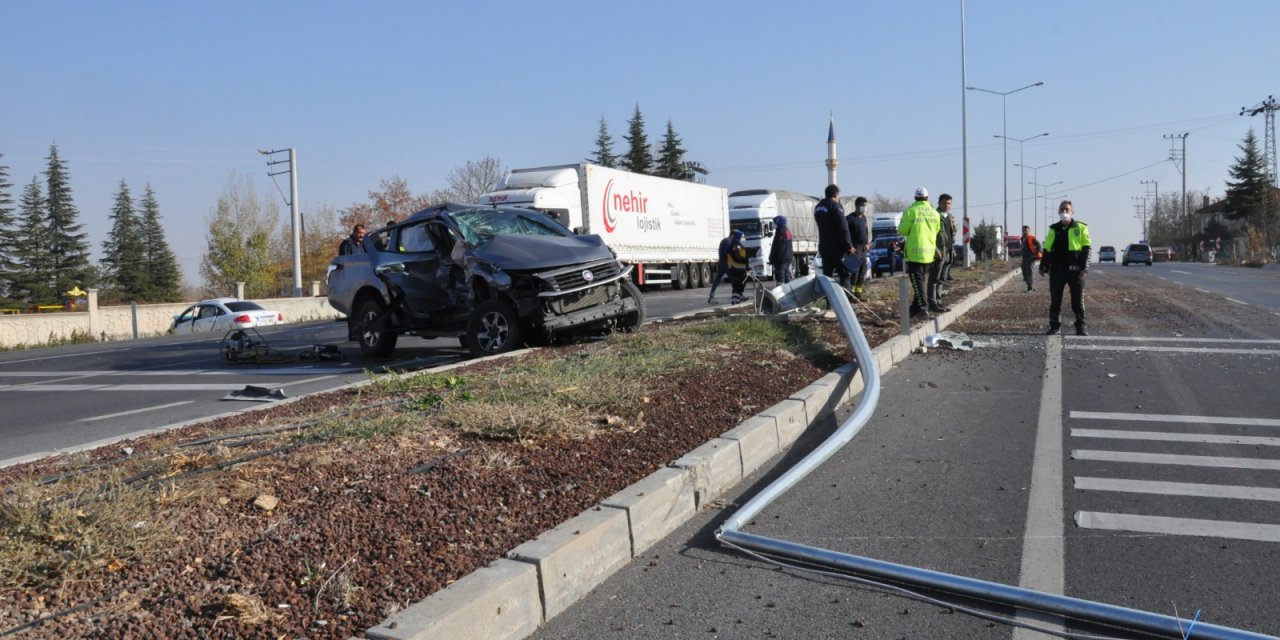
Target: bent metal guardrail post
730, 534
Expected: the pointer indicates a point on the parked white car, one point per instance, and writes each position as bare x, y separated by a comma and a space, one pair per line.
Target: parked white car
221, 315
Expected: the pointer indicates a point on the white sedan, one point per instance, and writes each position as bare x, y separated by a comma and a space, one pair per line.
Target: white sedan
222, 315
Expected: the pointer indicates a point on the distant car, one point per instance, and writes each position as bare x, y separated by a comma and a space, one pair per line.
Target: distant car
221, 315
1107, 254
1161, 254
1137, 253
881, 260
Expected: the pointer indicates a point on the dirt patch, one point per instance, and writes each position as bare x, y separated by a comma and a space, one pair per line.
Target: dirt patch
321, 517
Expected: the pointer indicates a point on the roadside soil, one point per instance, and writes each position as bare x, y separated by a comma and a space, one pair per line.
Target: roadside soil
244, 527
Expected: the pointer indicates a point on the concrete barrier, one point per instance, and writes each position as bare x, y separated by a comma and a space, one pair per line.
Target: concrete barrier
116, 322
497, 602
576, 556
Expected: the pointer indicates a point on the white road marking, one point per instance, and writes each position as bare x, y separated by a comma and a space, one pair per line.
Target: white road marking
1233, 492
142, 410
65, 355
1202, 290
1165, 417
121, 387
1178, 526
1138, 457
1185, 273
1042, 543
1100, 347
1239, 302
1178, 339
291, 371
1203, 438
1177, 283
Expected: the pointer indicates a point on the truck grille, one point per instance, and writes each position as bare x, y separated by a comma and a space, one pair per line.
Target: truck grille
571, 277
589, 298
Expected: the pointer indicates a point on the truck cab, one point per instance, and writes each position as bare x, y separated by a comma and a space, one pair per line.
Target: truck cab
753, 211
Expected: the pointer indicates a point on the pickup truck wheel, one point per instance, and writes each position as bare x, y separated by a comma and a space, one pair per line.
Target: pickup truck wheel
374, 342
632, 321
493, 328
679, 277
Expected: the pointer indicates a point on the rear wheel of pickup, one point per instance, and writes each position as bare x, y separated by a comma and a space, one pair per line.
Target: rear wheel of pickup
375, 341
632, 321
493, 328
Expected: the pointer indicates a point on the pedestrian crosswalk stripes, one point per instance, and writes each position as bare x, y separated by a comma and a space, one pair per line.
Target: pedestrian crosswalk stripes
1178, 526
1164, 417
1176, 459
1178, 489
1158, 436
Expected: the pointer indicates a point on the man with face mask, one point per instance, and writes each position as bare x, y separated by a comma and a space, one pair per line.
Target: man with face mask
1066, 260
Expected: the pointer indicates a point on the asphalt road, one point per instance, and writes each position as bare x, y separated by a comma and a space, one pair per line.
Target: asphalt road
1133, 469
69, 397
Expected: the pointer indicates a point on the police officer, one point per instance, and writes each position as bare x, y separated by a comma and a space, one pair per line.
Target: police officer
920, 223
1066, 260
833, 235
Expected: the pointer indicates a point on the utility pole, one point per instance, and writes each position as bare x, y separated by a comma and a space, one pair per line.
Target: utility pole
1180, 162
1155, 214
1140, 210
295, 217
1268, 108
964, 141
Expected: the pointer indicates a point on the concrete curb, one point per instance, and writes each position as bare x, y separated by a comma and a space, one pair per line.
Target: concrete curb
496, 602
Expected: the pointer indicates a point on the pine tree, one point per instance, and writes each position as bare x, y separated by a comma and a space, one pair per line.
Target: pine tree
671, 162
68, 250
32, 278
1249, 188
604, 147
124, 252
8, 234
639, 158
164, 280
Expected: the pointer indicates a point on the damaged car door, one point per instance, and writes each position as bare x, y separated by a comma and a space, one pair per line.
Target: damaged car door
421, 275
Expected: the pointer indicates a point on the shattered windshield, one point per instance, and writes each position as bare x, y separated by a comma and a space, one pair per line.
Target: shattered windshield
479, 226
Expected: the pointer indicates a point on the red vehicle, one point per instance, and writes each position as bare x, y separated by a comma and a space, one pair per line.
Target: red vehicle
1013, 246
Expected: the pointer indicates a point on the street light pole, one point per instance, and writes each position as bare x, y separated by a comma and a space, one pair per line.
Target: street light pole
295, 217
1046, 201
1034, 179
1004, 129
1022, 189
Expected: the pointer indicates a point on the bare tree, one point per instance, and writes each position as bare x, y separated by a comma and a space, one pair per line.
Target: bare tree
472, 180
393, 200
884, 204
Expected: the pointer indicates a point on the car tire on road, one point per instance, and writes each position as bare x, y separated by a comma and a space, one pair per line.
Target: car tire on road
374, 343
493, 328
632, 321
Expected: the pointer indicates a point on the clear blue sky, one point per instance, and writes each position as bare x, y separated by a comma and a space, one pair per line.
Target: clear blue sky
181, 94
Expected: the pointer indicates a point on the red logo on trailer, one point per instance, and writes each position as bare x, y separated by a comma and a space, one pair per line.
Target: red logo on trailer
613, 203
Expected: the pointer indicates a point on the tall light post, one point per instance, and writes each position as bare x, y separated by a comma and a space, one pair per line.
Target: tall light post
1022, 189
1035, 177
1156, 212
1046, 201
1004, 129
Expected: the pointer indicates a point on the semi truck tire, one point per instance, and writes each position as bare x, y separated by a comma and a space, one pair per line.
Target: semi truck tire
679, 277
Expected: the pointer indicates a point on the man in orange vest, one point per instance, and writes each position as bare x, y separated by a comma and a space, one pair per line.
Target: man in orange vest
1030, 253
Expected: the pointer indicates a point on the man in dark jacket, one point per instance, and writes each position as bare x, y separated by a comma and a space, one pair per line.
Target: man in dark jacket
782, 253
946, 245
353, 243
833, 235
861, 243
722, 267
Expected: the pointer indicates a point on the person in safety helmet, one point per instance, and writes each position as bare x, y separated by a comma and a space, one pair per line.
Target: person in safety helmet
1066, 260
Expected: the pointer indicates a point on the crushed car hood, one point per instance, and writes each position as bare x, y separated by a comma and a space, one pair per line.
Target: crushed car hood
541, 252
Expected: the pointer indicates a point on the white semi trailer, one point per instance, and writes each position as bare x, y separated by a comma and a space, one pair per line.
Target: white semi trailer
669, 230
752, 211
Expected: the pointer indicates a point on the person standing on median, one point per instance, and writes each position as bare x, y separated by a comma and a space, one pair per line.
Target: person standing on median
781, 254
1066, 260
1030, 253
946, 238
861, 244
722, 267
919, 225
738, 264
833, 235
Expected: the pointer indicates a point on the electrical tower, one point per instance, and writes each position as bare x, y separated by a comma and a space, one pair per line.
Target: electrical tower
1268, 108
1180, 162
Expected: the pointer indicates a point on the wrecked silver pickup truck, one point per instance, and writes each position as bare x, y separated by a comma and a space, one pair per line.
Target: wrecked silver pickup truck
495, 277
